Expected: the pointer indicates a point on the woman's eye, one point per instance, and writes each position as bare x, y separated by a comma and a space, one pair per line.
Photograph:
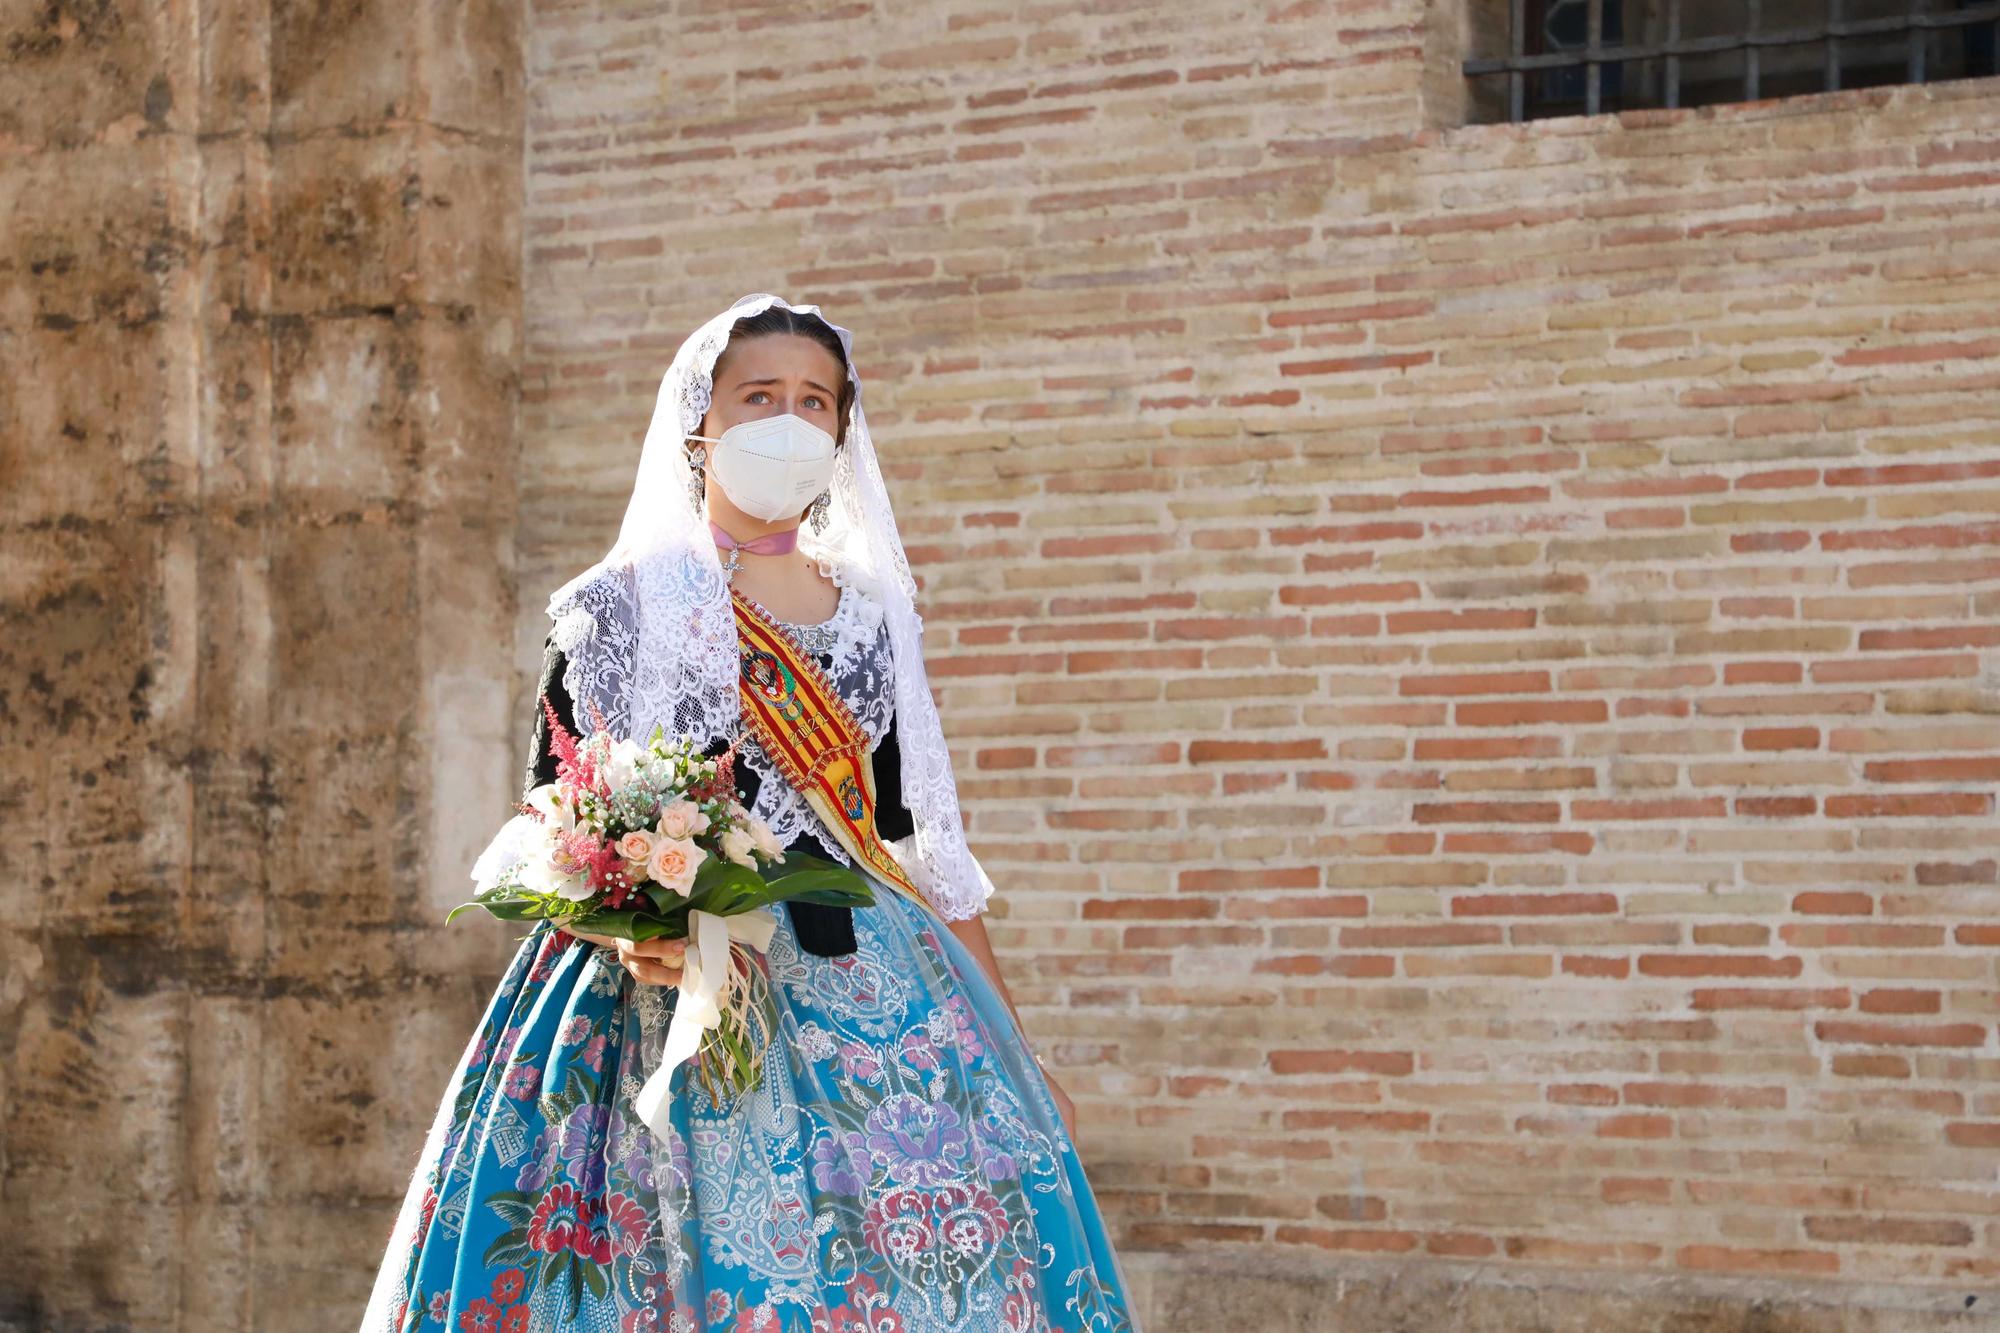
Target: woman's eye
811, 397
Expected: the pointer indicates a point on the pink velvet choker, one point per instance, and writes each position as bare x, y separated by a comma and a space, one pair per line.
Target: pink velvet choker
771, 543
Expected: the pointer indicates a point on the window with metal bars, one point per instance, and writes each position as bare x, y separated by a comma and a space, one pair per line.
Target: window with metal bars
1540, 58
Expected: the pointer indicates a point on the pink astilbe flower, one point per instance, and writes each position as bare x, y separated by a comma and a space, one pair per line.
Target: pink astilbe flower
617, 892
600, 856
723, 784
574, 763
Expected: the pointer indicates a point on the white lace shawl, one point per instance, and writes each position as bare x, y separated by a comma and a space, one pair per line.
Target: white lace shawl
597, 636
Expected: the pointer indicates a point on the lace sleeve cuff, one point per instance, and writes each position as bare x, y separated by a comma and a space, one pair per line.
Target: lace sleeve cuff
961, 903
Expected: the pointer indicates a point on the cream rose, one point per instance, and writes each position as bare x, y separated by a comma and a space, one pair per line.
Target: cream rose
682, 819
636, 845
674, 862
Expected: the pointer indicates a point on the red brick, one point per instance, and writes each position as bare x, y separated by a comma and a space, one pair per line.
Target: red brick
1441, 936
1973, 1134
1725, 1259
1387, 1063
1635, 1126
1718, 965
1833, 904
1379, 1242
1893, 1034
1776, 997
1583, 965
1887, 1231
1648, 1190
1704, 1094
1487, 812
1347, 1122
1894, 1001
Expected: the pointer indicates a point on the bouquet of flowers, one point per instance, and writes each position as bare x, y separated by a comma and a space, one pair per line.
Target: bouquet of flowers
648, 842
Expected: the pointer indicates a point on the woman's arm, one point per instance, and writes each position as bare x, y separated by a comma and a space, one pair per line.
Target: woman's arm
971, 933
895, 824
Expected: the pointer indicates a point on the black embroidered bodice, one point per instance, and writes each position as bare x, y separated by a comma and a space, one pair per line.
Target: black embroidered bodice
822, 930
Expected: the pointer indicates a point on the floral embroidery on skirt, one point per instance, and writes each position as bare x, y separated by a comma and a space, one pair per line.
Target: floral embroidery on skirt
900, 1168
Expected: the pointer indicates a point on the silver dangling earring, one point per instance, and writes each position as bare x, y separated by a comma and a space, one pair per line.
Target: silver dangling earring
820, 512
697, 459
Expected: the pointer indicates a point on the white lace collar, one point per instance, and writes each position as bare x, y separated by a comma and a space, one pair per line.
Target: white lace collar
853, 627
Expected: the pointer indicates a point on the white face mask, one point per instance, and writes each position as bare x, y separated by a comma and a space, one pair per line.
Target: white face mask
772, 468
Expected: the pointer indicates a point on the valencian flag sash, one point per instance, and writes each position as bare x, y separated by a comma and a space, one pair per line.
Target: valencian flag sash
814, 738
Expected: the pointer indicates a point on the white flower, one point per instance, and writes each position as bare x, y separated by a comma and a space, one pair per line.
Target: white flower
736, 844
621, 766
763, 839
522, 836
547, 800
539, 875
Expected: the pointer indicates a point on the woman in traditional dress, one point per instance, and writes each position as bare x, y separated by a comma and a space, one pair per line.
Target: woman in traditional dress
903, 1163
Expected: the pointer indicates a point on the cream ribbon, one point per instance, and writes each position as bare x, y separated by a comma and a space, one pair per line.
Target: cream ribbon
704, 969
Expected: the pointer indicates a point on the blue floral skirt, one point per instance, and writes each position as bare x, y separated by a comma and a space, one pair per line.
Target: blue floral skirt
900, 1167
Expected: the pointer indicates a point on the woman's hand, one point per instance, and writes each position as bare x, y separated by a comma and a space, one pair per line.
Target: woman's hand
656, 962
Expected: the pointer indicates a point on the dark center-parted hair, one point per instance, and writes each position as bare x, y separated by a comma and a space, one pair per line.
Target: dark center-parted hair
778, 319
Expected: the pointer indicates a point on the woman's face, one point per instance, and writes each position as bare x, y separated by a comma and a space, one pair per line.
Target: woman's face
762, 377
773, 375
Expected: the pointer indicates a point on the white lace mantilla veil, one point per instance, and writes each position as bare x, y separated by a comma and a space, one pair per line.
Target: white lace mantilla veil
650, 636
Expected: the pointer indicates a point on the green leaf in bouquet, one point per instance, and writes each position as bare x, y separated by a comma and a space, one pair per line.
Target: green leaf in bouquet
630, 924
803, 877
502, 907
517, 909
720, 886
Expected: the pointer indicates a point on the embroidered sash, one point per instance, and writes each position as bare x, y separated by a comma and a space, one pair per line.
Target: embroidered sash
814, 739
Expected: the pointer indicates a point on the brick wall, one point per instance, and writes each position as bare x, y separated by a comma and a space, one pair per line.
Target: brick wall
1473, 652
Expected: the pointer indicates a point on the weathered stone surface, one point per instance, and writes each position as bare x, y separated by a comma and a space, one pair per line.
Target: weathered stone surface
260, 314
1289, 1294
